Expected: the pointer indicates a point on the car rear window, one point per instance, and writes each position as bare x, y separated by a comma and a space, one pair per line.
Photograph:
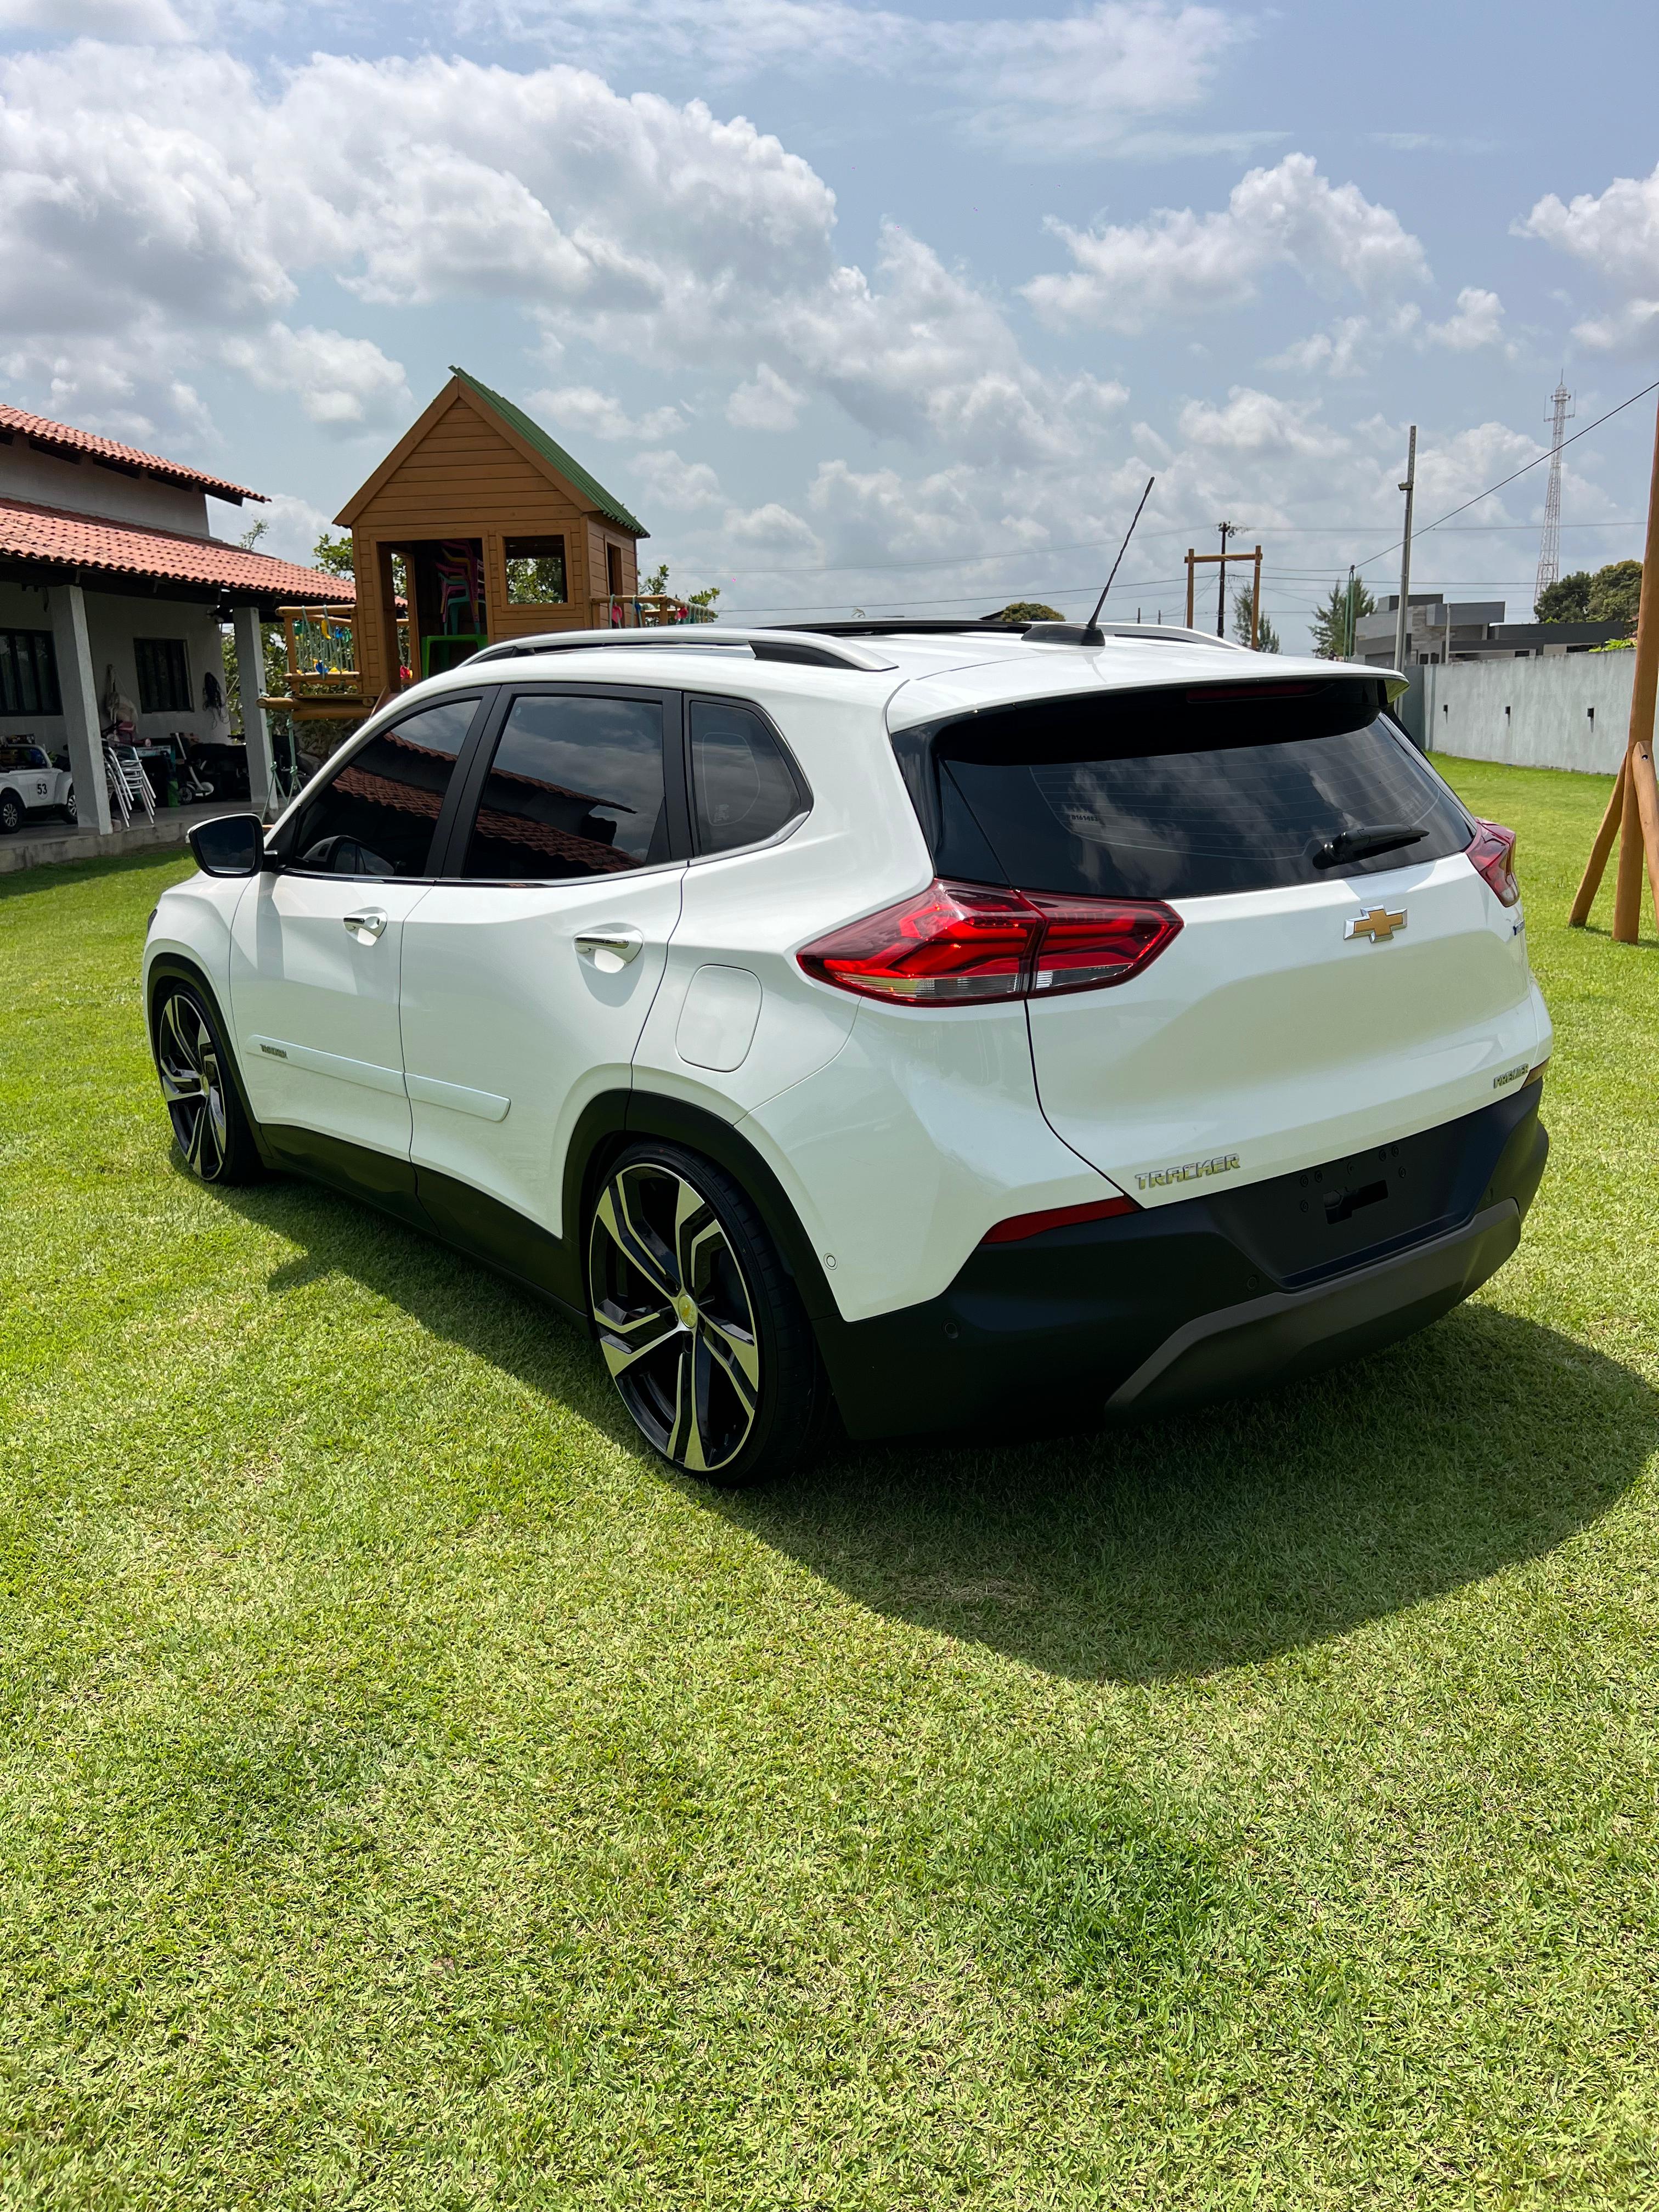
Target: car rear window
1175, 794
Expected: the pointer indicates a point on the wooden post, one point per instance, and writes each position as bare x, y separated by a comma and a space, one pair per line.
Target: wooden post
1256, 604
1599, 851
1634, 810
1191, 573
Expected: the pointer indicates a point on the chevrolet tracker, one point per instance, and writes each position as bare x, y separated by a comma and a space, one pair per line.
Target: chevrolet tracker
952, 1022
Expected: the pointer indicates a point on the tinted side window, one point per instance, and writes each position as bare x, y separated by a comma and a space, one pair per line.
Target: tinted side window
743, 789
377, 817
575, 788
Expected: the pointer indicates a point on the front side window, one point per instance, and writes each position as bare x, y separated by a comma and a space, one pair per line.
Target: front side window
377, 816
743, 789
163, 675
575, 788
28, 673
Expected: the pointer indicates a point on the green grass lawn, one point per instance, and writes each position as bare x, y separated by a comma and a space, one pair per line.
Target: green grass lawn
411, 1795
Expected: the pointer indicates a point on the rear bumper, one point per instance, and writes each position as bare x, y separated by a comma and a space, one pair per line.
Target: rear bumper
1203, 1298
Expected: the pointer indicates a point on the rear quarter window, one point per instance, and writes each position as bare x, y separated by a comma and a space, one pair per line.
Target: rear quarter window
1177, 795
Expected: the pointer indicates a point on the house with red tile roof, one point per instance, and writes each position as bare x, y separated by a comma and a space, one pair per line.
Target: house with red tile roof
114, 595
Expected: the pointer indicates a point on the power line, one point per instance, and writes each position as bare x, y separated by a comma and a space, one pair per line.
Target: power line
1536, 463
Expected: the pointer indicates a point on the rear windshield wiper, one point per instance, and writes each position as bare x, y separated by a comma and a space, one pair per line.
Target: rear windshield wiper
1364, 844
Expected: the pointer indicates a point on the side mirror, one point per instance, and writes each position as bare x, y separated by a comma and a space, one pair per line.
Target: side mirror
229, 845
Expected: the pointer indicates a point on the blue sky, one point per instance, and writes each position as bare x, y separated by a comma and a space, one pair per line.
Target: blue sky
864, 307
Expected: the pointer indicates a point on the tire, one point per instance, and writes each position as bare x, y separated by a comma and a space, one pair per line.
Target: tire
11, 812
213, 1134
698, 1321
71, 811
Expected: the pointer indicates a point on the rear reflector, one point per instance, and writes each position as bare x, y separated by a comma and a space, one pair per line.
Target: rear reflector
1018, 1226
963, 944
1491, 854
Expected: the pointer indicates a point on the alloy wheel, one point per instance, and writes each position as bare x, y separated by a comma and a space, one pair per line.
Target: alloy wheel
675, 1317
192, 1083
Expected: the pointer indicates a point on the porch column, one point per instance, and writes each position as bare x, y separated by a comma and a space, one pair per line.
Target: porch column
251, 664
67, 605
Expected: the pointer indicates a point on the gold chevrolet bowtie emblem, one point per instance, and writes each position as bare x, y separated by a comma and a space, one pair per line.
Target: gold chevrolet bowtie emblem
1379, 925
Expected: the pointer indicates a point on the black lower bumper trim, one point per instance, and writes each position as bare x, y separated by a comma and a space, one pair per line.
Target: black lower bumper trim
1203, 1295
1290, 1332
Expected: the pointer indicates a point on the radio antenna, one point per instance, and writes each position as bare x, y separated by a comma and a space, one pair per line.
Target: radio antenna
1121, 551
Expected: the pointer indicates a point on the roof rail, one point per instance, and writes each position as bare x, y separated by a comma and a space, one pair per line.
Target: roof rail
969, 626
807, 651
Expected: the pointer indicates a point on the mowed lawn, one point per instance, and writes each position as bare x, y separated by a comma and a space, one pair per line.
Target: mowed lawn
411, 1795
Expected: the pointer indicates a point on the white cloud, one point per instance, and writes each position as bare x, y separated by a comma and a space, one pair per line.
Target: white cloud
147, 22
1477, 322
1093, 80
580, 410
343, 384
1180, 263
772, 530
1616, 234
676, 482
765, 403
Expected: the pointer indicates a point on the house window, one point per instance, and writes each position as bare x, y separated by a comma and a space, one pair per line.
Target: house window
28, 673
163, 675
535, 571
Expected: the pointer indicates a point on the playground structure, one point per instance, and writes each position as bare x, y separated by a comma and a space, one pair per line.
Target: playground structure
477, 526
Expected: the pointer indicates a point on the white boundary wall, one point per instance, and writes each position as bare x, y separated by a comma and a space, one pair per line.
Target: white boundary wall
1562, 710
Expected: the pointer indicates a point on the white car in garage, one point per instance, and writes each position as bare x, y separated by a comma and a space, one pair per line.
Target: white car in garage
949, 1020
30, 785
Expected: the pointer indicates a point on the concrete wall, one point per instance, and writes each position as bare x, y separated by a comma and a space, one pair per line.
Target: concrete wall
113, 622
1531, 713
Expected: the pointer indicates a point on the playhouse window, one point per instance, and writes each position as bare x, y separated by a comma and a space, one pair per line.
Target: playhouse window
535, 571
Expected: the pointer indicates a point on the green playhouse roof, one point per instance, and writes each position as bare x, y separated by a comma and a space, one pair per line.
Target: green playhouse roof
550, 450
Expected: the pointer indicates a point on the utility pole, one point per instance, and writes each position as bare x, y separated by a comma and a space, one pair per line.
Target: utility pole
1227, 531
1403, 616
1348, 636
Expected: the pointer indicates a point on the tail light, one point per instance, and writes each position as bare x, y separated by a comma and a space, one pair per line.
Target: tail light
963, 944
1492, 855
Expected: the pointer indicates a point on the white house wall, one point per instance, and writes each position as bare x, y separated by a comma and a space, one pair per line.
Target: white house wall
86, 487
1569, 710
113, 621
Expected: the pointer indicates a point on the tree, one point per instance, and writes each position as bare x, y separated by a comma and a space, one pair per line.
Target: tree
1331, 639
333, 555
1026, 610
1567, 599
1615, 595
657, 585
1266, 637
253, 533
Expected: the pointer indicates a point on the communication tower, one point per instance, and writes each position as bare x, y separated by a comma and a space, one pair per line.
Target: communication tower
1549, 550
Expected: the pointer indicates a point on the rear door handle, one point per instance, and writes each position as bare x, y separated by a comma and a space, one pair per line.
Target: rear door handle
365, 926
610, 948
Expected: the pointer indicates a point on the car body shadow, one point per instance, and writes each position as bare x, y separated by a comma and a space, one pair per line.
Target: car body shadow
1227, 1534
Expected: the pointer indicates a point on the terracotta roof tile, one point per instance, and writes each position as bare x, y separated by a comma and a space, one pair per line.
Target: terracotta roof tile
127, 548
65, 439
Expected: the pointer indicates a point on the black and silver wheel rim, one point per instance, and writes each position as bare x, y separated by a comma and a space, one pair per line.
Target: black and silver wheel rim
192, 1083
674, 1316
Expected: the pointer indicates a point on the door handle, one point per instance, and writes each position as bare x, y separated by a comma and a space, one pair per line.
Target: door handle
611, 949
365, 927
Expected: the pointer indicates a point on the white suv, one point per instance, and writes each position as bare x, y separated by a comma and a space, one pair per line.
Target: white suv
949, 1021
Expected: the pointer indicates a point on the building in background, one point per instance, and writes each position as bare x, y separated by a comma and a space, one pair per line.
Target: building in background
1439, 629
114, 594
